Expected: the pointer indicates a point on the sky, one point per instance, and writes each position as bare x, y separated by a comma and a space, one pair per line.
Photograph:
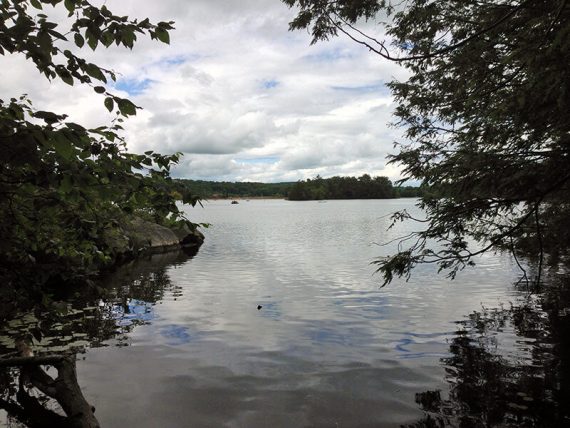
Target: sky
242, 98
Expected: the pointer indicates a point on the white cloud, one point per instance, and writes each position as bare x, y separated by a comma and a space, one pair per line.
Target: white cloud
242, 97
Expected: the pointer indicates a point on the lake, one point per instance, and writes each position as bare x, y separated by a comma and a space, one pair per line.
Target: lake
279, 320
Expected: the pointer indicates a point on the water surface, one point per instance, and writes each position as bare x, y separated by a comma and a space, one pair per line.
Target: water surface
328, 347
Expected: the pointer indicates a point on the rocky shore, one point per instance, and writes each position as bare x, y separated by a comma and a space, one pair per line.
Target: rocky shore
139, 236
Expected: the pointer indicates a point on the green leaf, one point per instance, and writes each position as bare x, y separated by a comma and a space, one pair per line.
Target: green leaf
57, 35
165, 25
128, 38
70, 6
36, 4
106, 12
79, 40
109, 103
127, 108
99, 89
162, 35
63, 147
92, 41
64, 75
48, 116
107, 38
95, 72
44, 42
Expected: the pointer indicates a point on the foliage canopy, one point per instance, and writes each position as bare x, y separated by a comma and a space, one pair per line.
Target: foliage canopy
485, 113
64, 189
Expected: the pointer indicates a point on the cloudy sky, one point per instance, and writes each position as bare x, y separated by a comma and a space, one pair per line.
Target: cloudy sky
242, 97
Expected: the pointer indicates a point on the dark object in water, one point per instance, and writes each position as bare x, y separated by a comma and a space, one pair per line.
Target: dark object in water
259, 307
64, 389
235, 202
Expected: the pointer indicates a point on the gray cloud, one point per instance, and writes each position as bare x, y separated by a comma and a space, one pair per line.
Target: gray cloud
234, 84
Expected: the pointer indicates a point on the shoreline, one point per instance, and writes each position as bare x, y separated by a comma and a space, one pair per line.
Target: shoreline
241, 198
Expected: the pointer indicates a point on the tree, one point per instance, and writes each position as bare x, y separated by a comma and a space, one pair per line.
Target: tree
485, 114
364, 187
66, 189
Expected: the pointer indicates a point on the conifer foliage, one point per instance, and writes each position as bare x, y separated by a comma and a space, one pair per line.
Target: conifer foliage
486, 117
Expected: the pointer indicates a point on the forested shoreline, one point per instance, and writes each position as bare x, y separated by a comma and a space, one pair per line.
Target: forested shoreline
364, 187
226, 189
318, 188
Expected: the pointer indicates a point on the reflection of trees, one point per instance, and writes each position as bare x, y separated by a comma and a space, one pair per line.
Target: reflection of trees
146, 279
132, 291
27, 392
508, 367
123, 300
25, 377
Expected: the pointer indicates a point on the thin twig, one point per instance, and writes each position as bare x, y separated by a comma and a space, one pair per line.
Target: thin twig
524, 277
431, 54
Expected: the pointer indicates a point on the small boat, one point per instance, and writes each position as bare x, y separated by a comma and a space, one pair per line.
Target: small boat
235, 202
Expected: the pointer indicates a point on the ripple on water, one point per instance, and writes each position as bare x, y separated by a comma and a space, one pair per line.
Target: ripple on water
328, 345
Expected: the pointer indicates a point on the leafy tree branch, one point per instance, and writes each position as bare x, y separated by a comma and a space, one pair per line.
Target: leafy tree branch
68, 190
485, 116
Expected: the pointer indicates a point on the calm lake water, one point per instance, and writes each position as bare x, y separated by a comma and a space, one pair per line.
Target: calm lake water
180, 341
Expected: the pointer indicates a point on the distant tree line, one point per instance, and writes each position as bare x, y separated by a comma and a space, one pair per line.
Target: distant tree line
225, 189
364, 187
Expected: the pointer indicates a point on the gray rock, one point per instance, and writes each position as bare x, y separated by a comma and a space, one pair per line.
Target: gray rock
138, 237
144, 235
188, 237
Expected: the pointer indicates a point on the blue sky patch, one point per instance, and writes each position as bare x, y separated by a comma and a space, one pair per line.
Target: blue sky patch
133, 86
176, 334
270, 83
177, 60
